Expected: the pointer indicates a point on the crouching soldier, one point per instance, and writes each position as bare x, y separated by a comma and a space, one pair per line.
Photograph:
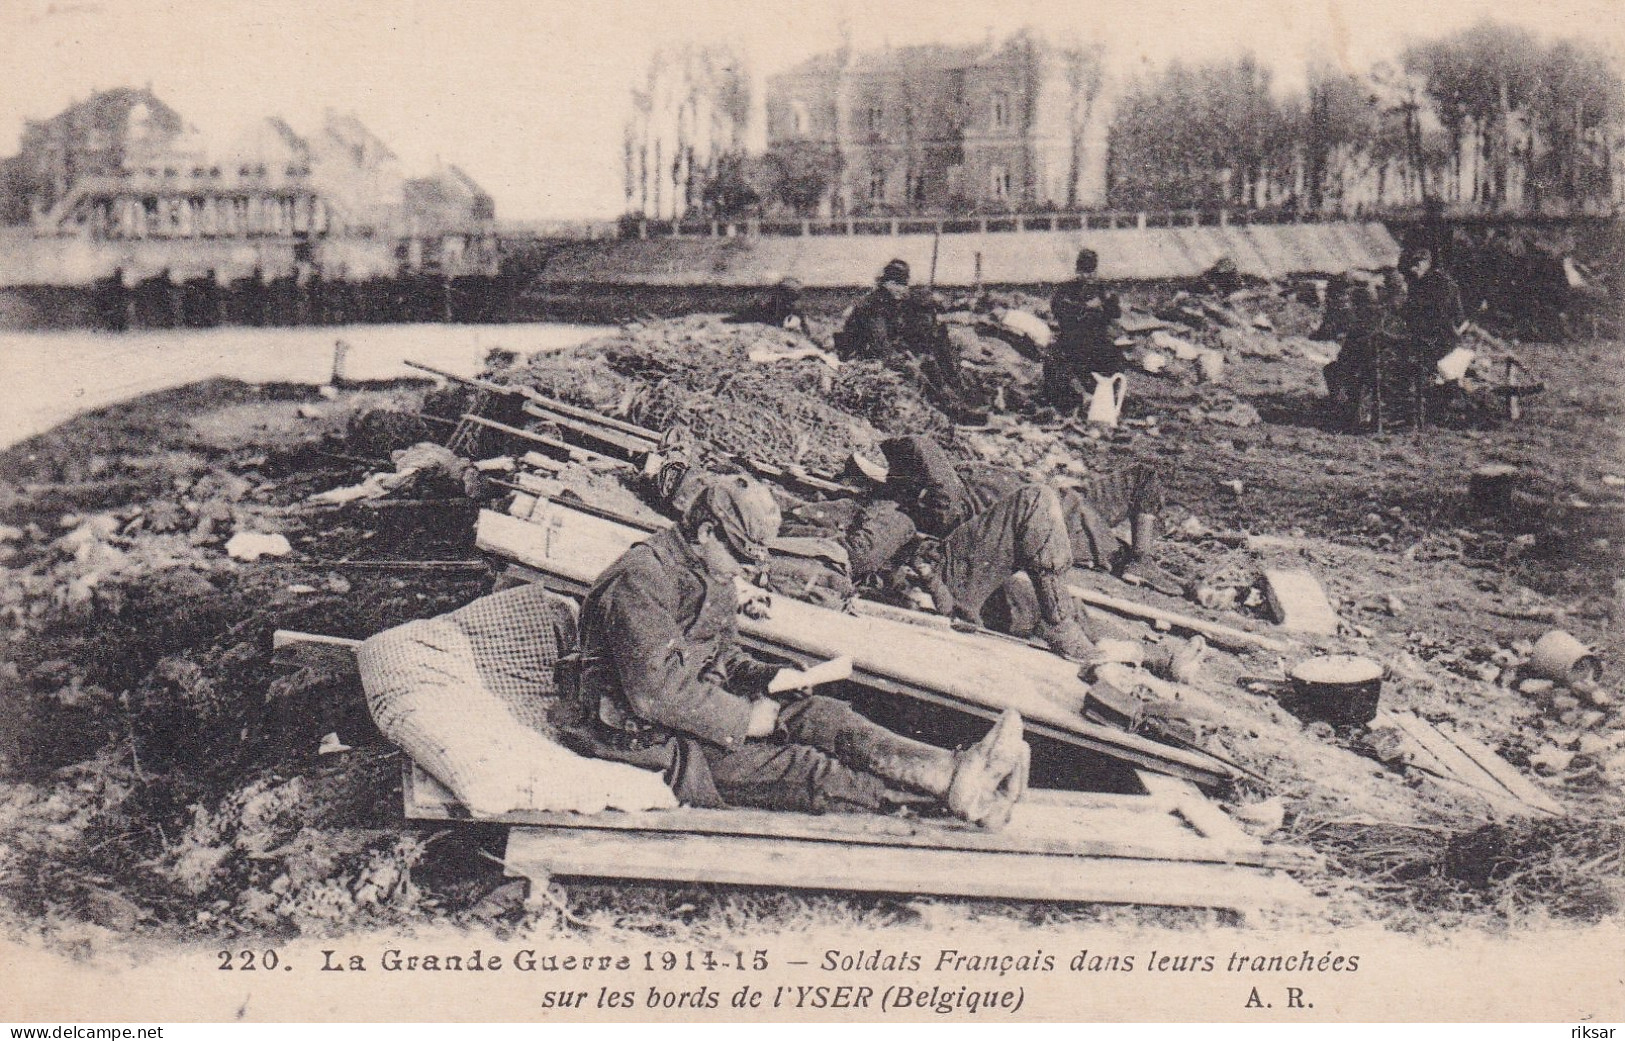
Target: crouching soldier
665, 685
983, 524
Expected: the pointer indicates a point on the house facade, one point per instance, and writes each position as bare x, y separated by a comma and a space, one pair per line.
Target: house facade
152, 195
941, 129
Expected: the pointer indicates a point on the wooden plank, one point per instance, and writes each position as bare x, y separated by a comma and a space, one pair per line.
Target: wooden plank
1212, 823
1221, 635
576, 454
992, 675
1458, 765
309, 649
1208, 820
589, 416
1505, 773
627, 445
284, 638
1085, 824
542, 853
541, 462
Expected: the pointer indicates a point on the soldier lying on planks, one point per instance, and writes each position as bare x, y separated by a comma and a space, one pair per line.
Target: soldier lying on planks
964, 535
665, 685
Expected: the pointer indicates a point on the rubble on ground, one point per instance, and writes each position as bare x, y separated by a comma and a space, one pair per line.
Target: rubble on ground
181, 786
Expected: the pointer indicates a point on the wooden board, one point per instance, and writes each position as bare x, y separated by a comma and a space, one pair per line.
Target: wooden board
1298, 601
1224, 636
1447, 757
1504, 772
539, 854
964, 671
1097, 847
1094, 824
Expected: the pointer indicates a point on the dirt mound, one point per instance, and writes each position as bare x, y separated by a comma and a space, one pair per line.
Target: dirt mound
699, 372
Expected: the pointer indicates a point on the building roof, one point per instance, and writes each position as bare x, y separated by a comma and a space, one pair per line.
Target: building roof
289, 137
348, 130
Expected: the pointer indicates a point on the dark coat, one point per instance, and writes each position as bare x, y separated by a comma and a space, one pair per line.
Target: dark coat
1084, 312
1433, 313
882, 326
660, 651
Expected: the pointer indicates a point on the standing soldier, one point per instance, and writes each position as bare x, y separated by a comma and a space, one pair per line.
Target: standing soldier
1434, 322
1084, 311
1362, 316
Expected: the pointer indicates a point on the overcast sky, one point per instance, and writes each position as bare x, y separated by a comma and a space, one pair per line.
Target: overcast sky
529, 97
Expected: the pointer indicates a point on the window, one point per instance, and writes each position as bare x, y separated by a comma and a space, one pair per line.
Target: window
916, 190
998, 183
800, 118
1001, 110
877, 117
877, 187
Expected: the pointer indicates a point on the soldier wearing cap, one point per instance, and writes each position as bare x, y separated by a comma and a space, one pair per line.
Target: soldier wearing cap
1434, 321
885, 322
779, 306
665, 685
1084, 312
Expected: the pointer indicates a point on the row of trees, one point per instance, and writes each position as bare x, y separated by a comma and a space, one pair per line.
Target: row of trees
1490, 118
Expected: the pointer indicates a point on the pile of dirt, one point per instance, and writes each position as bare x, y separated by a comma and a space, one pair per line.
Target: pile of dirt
160, 770
699, 372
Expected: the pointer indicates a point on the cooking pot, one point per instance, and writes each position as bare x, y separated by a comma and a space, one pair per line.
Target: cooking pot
1342, 689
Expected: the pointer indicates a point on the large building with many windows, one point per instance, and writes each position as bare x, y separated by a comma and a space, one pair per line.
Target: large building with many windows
120, 181
1017, 125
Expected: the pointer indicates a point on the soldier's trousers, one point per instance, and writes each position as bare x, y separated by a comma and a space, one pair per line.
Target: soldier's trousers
801, 768
1034, 529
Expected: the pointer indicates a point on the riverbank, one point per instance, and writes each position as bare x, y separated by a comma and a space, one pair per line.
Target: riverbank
50, 377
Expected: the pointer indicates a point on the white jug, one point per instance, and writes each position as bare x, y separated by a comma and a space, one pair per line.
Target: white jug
1107, 401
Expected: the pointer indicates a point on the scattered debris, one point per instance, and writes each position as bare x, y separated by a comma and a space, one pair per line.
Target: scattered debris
252, 545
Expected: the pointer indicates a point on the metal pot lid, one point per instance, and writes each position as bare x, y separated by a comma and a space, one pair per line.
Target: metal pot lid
1337, 669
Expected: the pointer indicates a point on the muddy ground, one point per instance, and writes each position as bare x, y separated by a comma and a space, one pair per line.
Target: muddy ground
162, 774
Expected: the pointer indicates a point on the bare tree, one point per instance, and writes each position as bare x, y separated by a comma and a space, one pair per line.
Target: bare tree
1084, 68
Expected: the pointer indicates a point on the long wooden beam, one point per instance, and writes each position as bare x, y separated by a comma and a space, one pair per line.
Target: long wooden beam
585, 454
1223, 635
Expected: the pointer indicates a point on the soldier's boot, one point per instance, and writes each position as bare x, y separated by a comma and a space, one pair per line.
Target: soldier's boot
979, 784
1136, 566
1058, 623
990, 777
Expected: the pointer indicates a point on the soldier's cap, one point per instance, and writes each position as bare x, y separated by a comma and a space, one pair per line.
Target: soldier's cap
744, 511
790, 282
1088, 261
895, 271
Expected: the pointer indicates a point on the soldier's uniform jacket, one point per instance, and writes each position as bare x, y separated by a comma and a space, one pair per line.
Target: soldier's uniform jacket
660, 655
1084, 313
1433, 313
